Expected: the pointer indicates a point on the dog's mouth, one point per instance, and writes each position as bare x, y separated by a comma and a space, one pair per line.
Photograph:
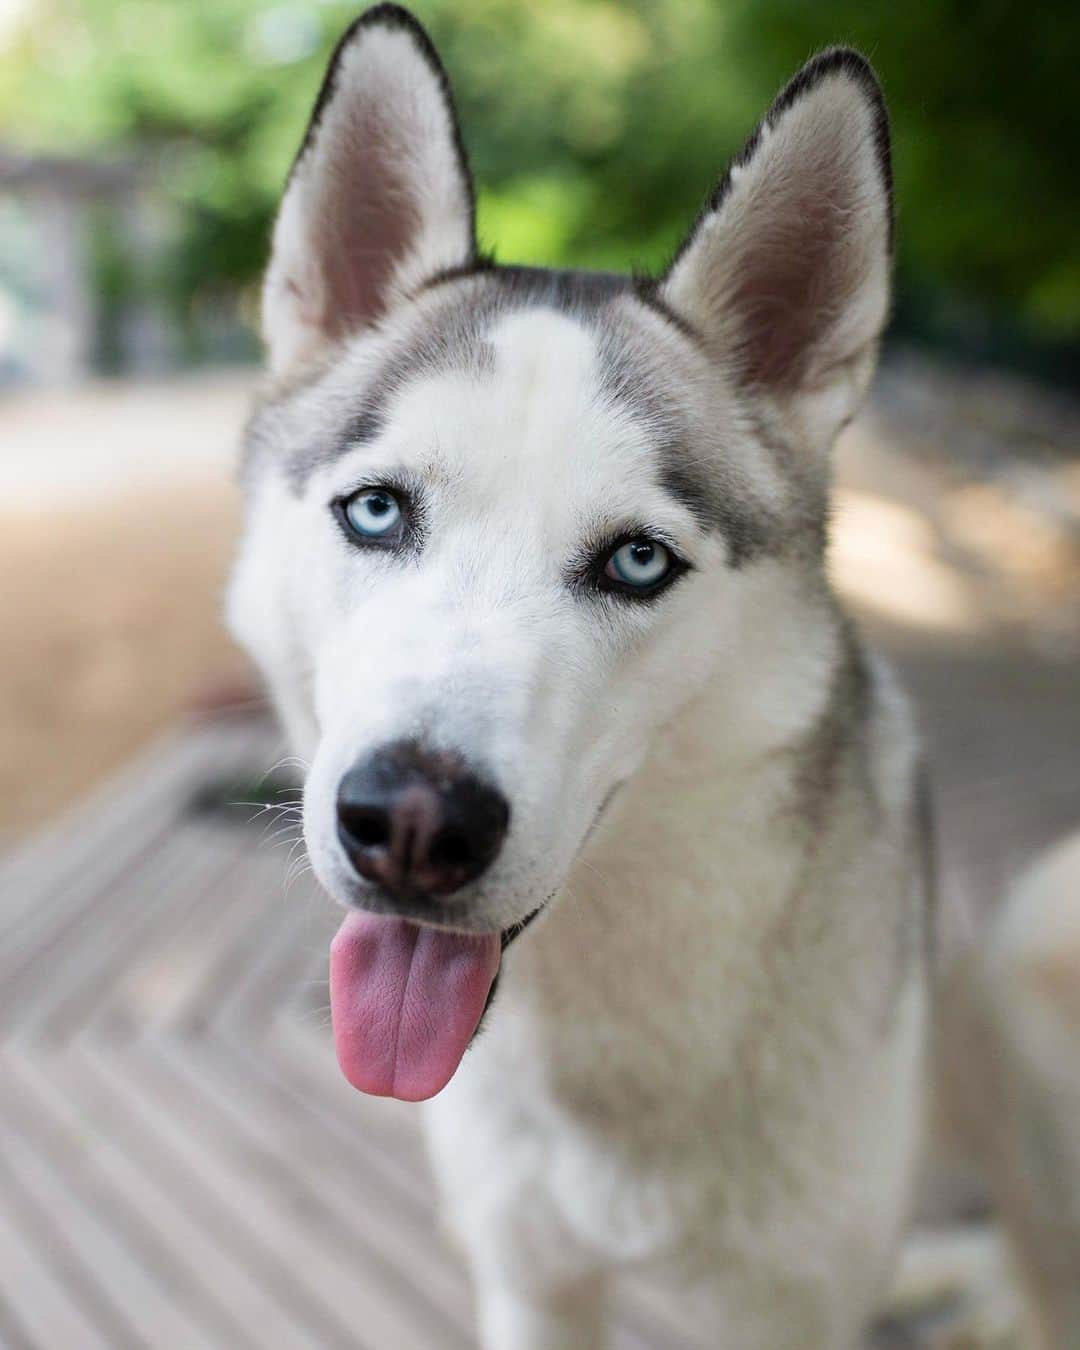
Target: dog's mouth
406, 999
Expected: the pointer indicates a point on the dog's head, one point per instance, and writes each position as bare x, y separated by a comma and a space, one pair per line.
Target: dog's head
503, 522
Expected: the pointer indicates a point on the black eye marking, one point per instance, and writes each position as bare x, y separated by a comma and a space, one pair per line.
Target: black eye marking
378, 516
636, 565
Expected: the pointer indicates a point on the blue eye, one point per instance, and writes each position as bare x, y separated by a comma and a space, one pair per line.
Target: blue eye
640, 564
374, 513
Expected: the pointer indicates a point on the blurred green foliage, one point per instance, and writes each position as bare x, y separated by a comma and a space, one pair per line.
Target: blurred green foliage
595, 126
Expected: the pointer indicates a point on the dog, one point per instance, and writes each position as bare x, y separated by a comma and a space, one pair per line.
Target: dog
534, 566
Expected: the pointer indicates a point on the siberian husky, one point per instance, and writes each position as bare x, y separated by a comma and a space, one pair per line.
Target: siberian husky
534, 567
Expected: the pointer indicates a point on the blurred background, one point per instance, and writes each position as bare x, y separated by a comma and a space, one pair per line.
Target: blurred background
143, 146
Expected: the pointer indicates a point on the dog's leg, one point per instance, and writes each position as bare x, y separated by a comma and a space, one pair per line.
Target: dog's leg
572, 1319
1012, 1082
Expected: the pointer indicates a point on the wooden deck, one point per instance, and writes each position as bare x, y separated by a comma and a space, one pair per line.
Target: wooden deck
181, 1164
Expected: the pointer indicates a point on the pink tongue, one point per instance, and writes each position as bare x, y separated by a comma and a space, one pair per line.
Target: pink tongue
405, 1002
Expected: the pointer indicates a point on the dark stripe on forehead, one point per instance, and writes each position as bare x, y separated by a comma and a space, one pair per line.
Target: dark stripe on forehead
745, 528
640, 368
454, 339
567, 289
570, 290
365, 426
639, 375
453, 342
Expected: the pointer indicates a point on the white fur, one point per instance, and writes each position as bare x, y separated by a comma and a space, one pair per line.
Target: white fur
613, 1085
647, 1088
706, 1055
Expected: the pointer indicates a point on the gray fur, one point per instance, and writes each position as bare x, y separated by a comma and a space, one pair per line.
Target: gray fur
710, 1048
454, 339
835, 742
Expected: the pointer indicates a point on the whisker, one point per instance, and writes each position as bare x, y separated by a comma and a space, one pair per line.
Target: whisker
290, 831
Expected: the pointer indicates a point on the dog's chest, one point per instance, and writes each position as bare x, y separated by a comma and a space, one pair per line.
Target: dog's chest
602, 1157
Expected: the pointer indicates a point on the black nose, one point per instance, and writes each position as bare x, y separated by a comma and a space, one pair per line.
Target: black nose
417, 822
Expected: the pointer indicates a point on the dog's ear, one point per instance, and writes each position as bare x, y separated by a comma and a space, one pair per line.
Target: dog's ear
786, 272
380, 196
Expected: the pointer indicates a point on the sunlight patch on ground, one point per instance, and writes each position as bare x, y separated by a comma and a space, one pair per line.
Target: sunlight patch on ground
110, 438
109, 621
885, 556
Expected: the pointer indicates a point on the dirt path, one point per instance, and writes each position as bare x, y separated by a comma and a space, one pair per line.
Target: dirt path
117, 521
